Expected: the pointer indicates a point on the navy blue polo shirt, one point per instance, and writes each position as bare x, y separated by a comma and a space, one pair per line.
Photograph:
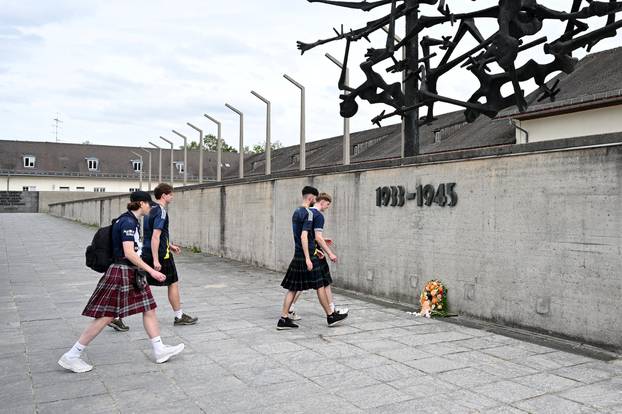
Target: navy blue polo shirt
157, 220
126, 228
302, 219
318, 220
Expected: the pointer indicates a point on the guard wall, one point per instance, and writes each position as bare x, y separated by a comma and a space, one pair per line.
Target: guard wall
535, 238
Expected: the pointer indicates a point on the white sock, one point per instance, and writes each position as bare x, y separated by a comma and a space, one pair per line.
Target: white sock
332, 307
76, 350
291, 309
157, 344
178, 313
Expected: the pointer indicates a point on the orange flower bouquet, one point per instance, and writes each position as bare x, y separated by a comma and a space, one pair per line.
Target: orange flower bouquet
433, 299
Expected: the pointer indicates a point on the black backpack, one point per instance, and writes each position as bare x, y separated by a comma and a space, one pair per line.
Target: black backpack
99, 255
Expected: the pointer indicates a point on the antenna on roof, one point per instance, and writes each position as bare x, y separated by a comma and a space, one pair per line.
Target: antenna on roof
57, 121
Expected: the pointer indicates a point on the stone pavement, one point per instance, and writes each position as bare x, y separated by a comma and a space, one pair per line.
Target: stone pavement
381, 360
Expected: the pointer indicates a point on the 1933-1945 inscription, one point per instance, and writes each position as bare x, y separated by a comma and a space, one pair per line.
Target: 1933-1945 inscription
396, 195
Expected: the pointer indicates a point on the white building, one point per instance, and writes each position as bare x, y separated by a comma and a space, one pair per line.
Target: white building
51, 166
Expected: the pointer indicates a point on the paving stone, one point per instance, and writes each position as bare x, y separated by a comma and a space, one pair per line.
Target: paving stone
546, 382
468, 377
507, 391
435, 365
551, 404
374, 396
601, 395
380, 360
96, 404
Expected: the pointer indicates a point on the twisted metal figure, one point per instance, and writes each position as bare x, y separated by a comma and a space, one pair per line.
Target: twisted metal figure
516, 19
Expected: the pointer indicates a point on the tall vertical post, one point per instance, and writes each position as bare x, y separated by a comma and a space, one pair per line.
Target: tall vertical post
159, 162
172, 160
346, 121
218, 148
185, 155
241, 174
140, 157
411, 127
148, 152
268, 150
303, 155
200, 131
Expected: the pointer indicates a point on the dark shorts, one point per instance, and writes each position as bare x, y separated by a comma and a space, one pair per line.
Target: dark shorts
116, 295
299, 278
168, 268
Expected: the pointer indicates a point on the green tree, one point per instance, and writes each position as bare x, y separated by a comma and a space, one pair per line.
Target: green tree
261, 148
211, 143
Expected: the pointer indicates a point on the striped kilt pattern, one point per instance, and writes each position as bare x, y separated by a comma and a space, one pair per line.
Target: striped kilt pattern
299, 278
116, 296
328, 280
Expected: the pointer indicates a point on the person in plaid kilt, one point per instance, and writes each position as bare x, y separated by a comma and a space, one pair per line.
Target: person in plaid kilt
157, 239
305, 271
122, 290
322, 203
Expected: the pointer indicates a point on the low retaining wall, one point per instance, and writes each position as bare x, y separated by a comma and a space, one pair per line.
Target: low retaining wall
534, 240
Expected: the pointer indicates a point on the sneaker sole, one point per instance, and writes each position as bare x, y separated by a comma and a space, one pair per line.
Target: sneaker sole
166, 358
337, 323
185, 323
116, 328
62, 364
285, 328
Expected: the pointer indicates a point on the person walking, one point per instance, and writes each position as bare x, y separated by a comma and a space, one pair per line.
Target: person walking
122, 291
322, 203
304, 271
158, 251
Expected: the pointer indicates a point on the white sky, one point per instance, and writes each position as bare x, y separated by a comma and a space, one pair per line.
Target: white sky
124, 72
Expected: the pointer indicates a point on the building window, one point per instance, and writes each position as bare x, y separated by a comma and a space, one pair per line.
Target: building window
134, 189
63, 188
29, 188
356, 150
137, 165
99, 189
437, 137
29, 161
79, 188
92, 164
294, 159
180, 166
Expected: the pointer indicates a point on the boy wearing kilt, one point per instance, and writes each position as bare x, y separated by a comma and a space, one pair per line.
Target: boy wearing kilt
122, 290
157, 239
305, 271
322, 204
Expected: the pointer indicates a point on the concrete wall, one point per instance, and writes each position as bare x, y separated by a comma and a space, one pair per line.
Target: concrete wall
584, 123
535, 239
50, 197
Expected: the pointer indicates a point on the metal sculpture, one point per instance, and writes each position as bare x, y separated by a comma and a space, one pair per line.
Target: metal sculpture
516, 19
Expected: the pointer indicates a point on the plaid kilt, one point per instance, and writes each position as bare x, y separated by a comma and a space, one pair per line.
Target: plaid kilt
328, 280
299, 278
116, 296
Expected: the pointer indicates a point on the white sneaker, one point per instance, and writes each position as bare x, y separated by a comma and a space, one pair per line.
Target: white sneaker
74, 364
168, 352
342, 311
294, 316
